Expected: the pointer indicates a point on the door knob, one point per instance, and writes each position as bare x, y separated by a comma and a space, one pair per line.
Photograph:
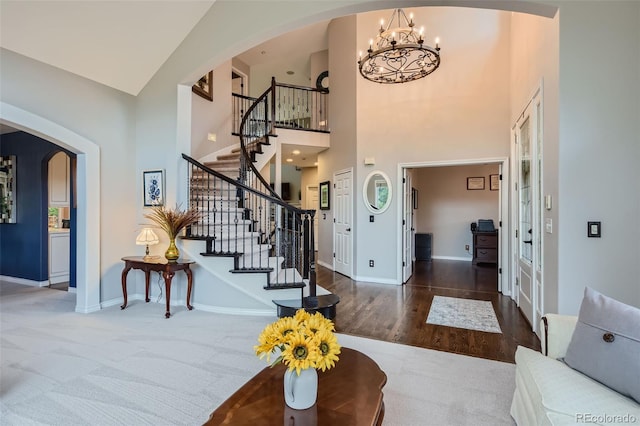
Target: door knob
348, 229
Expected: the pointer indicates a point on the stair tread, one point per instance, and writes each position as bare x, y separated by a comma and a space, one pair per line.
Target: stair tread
233, 155
216, 163
284, 286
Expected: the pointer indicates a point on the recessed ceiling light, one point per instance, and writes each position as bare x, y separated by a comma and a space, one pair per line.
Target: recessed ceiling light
289, 160
296, 152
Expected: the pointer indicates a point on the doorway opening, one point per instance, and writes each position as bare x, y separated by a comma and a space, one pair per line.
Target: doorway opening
441, 201
88, 197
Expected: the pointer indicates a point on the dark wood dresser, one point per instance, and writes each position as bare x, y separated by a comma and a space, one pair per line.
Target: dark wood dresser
485, 247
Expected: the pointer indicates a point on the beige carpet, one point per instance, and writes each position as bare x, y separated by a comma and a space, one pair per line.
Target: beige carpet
134, 367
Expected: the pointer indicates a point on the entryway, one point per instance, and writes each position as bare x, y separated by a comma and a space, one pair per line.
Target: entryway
443, 199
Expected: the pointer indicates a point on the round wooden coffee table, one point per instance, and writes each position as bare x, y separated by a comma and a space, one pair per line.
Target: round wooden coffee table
348, 394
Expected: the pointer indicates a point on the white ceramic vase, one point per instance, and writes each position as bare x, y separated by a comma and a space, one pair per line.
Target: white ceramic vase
300, 392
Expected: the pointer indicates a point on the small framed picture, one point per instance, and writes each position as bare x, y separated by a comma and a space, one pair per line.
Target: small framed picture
475, 183
203, 86
324, 195
494, 182
153, 187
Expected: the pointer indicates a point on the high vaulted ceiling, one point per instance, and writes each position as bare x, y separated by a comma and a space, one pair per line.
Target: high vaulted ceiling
120, 44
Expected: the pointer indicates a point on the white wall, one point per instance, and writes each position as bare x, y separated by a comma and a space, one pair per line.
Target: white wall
342, 116
105, 117
534, 64
598, 110
599, 151
213, 117
319, 62
459, 112
446, 208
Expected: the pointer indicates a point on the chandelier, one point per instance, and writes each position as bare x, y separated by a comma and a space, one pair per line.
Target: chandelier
400, 54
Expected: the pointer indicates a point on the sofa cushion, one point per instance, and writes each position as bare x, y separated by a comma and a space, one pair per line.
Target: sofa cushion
606, 343
558, 395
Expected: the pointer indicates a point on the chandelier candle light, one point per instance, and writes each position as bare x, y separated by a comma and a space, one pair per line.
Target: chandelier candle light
398, 54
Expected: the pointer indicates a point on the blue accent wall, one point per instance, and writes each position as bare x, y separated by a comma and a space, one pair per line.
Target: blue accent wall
24, 248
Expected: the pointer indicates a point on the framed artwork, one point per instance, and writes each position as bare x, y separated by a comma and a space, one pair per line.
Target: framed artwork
494, 182
324, 195
475, 183
8, 193
153, 187
203, 86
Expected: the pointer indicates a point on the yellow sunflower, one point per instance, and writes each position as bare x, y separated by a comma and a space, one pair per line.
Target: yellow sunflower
318, 322
328, 349
302, 316
284, 326
267, 342
301, 352
304, 341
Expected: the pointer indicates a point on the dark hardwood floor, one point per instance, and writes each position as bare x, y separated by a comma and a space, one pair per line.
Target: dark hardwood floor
398, 314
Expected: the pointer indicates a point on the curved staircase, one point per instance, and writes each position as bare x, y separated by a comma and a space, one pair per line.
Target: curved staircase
244, 220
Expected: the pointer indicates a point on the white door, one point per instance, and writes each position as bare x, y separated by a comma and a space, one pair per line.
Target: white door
342, 222
539, 206
407, 228
527, 189
312, 204
238, 82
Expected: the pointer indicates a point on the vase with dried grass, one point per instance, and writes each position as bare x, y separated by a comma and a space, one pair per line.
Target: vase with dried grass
172, 221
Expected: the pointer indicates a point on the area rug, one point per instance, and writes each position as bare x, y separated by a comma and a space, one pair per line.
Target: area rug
463, 313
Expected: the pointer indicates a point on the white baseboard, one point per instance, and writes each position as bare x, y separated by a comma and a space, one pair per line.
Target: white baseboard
59, 279
236, 311
88, 309
72, 290
326, 265
198, 306
464, 259
24, 281
376, 280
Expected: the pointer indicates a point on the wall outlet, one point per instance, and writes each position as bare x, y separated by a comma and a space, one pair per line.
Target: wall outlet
371, 263
466, 247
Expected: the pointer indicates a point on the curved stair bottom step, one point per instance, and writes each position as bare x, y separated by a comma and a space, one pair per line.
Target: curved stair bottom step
325, 304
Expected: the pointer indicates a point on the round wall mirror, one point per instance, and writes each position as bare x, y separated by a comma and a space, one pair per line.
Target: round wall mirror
377, 191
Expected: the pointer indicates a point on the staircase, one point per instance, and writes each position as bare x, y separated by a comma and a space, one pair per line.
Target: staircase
245, 220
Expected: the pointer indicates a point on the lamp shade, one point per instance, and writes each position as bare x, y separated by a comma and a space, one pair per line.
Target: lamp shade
147, 237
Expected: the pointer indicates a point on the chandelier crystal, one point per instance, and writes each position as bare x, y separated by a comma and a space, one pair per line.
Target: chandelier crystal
398, 54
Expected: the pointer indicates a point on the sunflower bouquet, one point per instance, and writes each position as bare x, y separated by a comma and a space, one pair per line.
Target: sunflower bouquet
303, 341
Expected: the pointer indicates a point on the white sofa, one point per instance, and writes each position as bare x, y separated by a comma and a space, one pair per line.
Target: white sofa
549, 392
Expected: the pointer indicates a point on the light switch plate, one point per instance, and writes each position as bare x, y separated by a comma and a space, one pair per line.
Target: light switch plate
594, 229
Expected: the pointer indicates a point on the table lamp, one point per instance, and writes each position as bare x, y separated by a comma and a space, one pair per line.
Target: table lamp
147, 237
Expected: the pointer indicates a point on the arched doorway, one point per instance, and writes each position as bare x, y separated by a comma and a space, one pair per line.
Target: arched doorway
88, 197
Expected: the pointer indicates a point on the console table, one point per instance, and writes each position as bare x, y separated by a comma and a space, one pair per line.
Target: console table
348, 394
162, 265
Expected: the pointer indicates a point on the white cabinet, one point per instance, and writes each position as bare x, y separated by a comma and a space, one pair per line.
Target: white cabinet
59, 180
59, 256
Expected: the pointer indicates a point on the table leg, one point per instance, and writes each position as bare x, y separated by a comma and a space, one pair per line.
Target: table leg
125, 271
168, 276
147, 274
189, 283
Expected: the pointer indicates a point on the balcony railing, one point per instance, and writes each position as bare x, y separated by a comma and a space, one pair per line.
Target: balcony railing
289, 107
